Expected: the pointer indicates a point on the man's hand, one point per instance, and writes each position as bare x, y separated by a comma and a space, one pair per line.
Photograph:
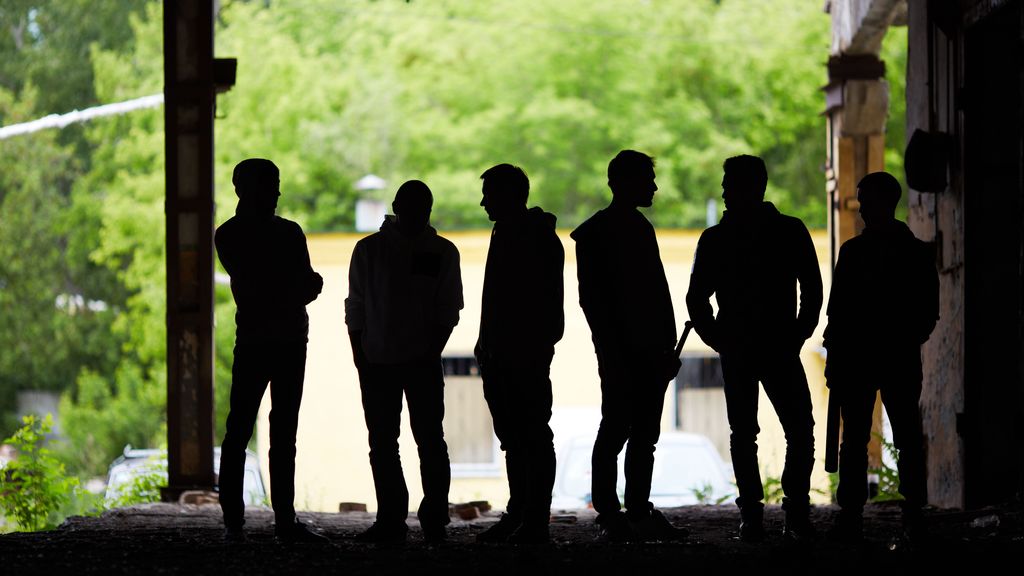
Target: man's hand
316, 285
669, 365
358, 356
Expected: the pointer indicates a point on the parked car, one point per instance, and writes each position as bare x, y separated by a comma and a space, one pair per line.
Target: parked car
134, 463
687, 470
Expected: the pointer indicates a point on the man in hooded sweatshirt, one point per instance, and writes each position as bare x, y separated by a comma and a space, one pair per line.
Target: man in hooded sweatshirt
271, 281
883, 306
625, 297
521, 320
405, 293
752, 261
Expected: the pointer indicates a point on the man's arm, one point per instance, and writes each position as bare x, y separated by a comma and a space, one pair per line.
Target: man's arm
554, 284
311, 283
450, 301
355, 310
594, 298
811, 293
698, 295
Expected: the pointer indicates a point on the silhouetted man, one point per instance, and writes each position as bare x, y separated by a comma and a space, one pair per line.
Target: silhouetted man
882, 308
405, 293
521, 320
272, 281
625, 297
752, 261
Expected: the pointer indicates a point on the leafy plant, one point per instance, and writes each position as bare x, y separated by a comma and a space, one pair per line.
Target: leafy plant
888, 478
143, 488
34, 487
705, 494
772, 490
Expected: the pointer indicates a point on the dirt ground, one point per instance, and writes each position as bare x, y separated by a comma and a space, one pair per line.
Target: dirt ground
176, 539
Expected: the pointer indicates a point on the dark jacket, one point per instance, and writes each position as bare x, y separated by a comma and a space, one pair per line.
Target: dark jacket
752, 264
271, 277
623, 290
522, 308
400, 290
884, 301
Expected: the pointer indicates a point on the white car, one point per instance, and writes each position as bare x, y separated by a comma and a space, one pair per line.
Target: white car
687, 470
134, 463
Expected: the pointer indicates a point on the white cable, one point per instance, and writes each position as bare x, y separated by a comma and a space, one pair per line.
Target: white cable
62, 120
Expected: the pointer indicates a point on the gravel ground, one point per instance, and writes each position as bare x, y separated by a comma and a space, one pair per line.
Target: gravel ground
176, 539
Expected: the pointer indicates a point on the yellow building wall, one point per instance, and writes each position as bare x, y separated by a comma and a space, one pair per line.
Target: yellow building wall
332, 464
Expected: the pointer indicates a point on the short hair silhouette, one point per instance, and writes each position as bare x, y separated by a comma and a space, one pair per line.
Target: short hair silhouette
508, 179
627, 165
748, 173
254, 173
881, 189
414, 194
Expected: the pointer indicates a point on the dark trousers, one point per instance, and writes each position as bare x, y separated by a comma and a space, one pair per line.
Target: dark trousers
518, 394
631, 406
257, 363
382, 386
900, 398
785, 383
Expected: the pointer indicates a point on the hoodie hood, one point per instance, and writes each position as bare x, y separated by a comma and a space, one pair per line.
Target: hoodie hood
533, 218
391, 231
892, 231
765, 211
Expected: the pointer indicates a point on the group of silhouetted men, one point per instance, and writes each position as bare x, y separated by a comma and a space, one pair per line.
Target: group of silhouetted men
405, 294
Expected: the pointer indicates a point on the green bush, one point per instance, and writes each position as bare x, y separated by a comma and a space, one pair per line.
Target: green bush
34, 488
144, 488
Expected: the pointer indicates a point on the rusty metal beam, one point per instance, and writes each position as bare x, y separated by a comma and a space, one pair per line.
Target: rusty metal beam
188, 124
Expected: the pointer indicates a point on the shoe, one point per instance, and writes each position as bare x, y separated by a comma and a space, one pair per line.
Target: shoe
501, 531
752, 531
848, 529
752, 524
914, 528
656, 527
615, 528
434, 533
384, 533
234, 535
799, 530
297, 532
538, 533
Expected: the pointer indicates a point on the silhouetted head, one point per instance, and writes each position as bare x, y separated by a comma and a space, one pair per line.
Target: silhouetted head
505, 191
631, 178
412, 205
878, 194
744, 181
258, 184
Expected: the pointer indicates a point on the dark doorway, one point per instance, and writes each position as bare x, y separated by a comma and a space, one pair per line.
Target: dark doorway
993, 247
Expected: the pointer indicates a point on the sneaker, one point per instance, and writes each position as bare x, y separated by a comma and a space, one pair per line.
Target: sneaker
234, 535
297, 532
615, 528
531, 533
799, 530
914, 529
752, 531
752, 524
848, 528
501, 531
384, 533
656, 527
434, 533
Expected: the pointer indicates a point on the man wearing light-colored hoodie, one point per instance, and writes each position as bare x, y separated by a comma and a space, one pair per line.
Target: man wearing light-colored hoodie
521, 319
405, 293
